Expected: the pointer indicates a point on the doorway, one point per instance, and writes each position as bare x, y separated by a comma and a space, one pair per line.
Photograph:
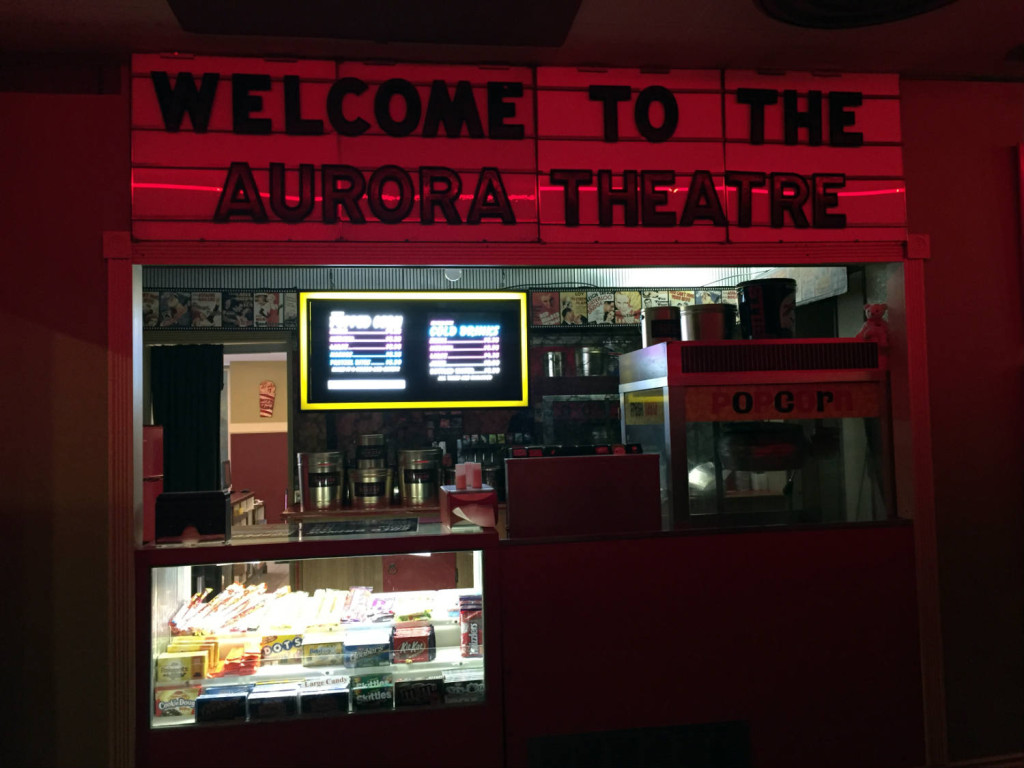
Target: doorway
255, 442
255, 435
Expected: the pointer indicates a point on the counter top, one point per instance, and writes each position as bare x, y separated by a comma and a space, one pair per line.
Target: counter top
285, 542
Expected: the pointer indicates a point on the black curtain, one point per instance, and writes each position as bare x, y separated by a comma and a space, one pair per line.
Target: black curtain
186, 385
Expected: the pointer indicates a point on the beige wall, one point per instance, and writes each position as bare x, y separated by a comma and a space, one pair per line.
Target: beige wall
67, 159
245, 378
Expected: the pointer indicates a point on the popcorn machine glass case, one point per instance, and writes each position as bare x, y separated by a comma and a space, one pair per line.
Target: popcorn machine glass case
778, 432
267, 633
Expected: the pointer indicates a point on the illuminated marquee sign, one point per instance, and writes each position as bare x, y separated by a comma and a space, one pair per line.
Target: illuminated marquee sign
228, 149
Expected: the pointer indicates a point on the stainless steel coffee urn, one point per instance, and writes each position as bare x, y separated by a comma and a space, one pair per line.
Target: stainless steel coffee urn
321, 479
660, 324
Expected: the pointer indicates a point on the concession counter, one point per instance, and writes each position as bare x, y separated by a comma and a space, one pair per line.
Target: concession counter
705, 543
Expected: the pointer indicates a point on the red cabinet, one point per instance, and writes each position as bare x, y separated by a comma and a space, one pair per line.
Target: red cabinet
411, 573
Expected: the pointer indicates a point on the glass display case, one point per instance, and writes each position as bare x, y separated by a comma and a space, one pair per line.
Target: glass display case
269, 631
770, 432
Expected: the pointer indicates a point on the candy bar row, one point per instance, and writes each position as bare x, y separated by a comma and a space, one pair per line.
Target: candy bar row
337, 696
198, 658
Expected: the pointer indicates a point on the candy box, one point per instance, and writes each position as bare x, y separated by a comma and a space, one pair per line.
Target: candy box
471, 626
175, 700
270, 702
181, 666
221, 703
236, 645
186, 644
324, 701
427, 691
370, 647
281, 649
412, 611
239, 662
414, 644
371, 692
323, 650
463, 686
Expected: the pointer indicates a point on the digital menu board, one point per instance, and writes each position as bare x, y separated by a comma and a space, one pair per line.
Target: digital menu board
426, 349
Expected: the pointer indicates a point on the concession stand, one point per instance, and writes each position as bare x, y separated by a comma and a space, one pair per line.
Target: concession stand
508, 407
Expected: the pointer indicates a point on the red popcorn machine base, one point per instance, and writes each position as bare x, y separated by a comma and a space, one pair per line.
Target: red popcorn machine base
469, 506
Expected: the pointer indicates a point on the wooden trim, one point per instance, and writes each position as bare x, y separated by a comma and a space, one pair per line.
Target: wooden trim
121, 393
257, 428
926, 547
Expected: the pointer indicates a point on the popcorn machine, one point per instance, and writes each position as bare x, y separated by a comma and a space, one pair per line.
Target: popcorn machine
766, 432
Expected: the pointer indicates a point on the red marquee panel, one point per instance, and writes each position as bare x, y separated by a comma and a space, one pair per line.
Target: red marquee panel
387, 128
872, 198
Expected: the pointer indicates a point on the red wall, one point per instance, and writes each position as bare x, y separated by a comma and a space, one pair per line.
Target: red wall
66, 171
65, 180
810, 636
259, 463
960, 164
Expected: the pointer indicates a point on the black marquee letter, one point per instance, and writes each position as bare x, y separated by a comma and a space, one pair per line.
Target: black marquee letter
642, 113
610, 95
240, 196
702, 201
569, 180
382, 109
185, 97
347, 197
825, 198
793, 119
758, 99
445, 198
744, 181
244, 103
490, 200
453, 112
839, 118
607, 196
781, 202
294, 123
375, 194
278, 196
342, 125
498, 110
651, 196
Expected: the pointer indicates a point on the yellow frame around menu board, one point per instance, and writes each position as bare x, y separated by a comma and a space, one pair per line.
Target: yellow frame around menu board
305, 296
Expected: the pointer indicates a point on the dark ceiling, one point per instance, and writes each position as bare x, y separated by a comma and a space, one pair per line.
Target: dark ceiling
966, 39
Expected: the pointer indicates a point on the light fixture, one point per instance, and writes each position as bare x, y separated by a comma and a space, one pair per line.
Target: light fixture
845, 14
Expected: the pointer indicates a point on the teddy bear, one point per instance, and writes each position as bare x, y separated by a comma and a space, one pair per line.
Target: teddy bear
875, 328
